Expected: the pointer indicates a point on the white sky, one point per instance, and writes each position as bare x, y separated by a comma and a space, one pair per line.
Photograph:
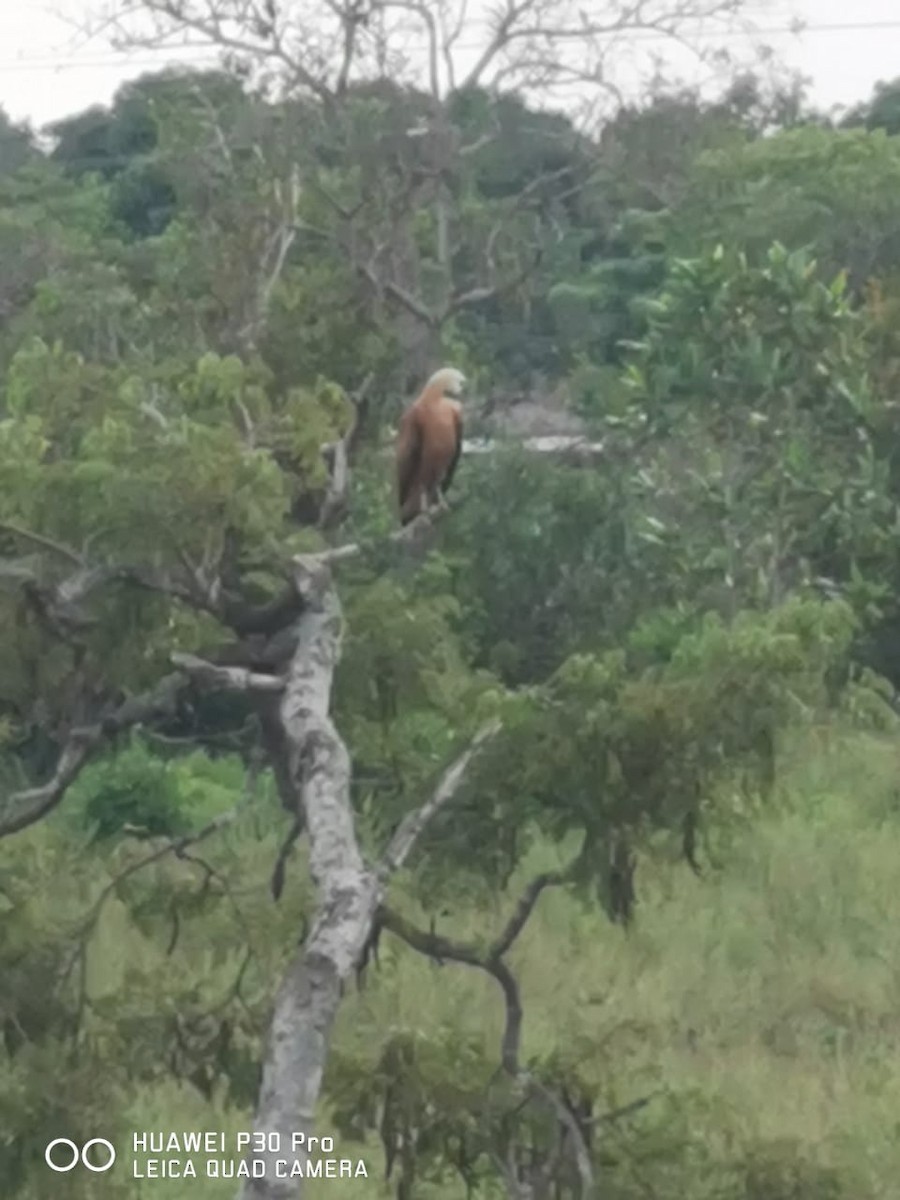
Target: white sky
41, 79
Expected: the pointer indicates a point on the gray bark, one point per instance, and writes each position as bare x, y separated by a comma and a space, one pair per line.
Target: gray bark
348, 892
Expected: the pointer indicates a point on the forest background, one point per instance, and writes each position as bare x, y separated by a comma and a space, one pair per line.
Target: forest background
647, 944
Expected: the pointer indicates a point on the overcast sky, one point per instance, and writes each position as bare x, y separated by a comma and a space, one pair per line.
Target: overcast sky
847, 48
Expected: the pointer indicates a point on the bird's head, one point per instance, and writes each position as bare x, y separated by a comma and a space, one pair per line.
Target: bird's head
447, 382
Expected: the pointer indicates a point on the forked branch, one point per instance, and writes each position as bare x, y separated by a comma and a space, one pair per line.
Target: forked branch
490, 959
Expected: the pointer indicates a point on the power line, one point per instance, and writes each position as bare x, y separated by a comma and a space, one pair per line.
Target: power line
123, 59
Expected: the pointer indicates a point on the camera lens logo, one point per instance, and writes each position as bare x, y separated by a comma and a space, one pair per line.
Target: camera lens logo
57, 1162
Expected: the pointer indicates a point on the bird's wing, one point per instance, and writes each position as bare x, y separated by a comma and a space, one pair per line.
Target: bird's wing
451, 466
409, 454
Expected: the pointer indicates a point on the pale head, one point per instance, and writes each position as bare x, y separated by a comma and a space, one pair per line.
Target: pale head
447, 382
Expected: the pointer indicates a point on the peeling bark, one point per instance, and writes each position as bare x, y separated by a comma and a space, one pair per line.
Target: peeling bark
349, 893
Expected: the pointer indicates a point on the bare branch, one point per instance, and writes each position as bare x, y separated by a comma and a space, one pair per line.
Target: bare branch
431, 27
25, 807
495, 282
40, 539
57, 606
237, 29
489, 960
229, 679
525, 906
321, 49
400, 294
149, 409
492, 962
246, 423
449, 38
499, 40
245, 619
334, 506
192, 590
414, 823
433, 945
274, 258
486, 139
478, 295
445, 949
412, 535
350, 17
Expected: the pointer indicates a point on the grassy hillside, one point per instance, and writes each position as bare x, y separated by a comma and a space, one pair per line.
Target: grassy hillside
756, 1007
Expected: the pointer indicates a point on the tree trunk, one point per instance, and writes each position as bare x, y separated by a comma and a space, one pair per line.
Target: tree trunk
348, 895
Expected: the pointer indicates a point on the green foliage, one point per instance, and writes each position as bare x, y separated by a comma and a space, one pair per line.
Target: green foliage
118, 468
117, 977
881, 112
686, 639
734, 1009
123, 144
151, 795
754, 383
604, 750
16, 146
536, 559
134, 788
836, 190
404, 697
120, 456
596, 314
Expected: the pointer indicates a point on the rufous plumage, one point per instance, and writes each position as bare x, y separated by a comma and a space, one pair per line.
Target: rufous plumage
429, 443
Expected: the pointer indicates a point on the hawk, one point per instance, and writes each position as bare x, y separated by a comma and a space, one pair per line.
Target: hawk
429, 443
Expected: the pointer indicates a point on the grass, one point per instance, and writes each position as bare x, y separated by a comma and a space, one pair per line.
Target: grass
769, 988
759, 1004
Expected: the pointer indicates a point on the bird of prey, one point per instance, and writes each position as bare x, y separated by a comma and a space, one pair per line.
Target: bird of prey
429, 443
